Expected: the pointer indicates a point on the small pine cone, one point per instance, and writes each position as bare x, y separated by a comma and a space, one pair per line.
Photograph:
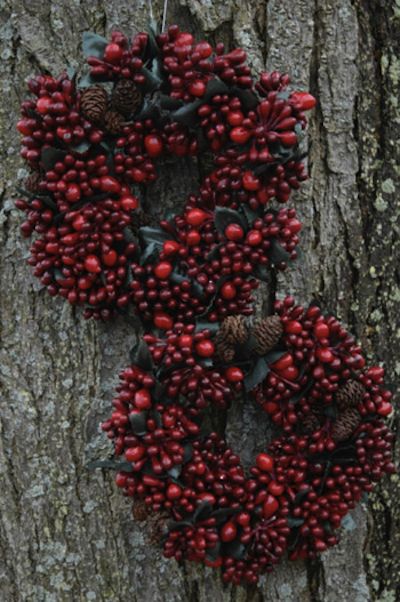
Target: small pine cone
126, 98
350, 395
345, 424
140, 511
31, 183
113, 122
234, 330
311, 423
94, 103
267, 333
225, 351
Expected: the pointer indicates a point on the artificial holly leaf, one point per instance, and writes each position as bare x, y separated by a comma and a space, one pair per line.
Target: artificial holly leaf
140, 356
277, 253
294, 522
50, 156
234, 549
113, 464
256, 374
224, 216
93, 45
138, 423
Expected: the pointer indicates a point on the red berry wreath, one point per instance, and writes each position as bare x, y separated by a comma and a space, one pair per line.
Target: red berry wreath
92, 144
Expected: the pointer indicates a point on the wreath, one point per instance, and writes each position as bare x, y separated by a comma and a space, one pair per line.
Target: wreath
93, 143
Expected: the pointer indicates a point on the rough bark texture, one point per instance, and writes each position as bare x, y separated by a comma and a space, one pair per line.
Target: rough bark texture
66, 534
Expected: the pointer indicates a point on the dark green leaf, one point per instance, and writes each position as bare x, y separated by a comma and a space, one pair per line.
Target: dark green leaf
224, 216
294, 522
93, 45
138, 423
113, 464
257, 374
276, 253
140, 356
234, 549
50, 156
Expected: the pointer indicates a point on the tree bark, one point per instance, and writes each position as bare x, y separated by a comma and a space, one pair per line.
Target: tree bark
66, 534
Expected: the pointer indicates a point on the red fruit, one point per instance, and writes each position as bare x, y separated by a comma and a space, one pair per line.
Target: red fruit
205, 348
133, 454
270, 506
112, 53
170, 247
195, 217
163, 321
293, 327
234, 232
153, 145
254, 238
142, 399
92, 264
73, 193
235, 118
43, 104
163, 270
302, 101
193, 238
228, 291
324, 355
110, 258
384, 409
321, 330
265, 462
197, 88
129, 203
250, 181
174, 492
284, 362
109, 184
234, 374
240, 135
228, 532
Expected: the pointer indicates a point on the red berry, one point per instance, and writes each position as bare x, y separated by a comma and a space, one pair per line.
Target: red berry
153, 145
265, 462
133, 454
205, 348
109, 184
240, 135
228, 291
142, 399
163, 321
321, 330
270, 506
112, 53
250, 181
174, 492
43, 104
228, 532
234, 374
195, 217
92, 264
234, 232
110, 258
163, 270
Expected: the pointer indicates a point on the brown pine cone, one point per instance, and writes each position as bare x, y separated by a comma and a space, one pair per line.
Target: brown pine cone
267, 333
126, 98
350, 395
345, 424
94, 103
225, 351
113, 122
140, 511
31, 183
234, 330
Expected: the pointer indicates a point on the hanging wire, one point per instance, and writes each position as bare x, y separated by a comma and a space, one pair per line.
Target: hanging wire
164, 17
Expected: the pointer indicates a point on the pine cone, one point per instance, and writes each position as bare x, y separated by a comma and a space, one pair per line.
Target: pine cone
113, 122
345, 424
94, 103
267, 333
350, 395
31, 183
140, 511
234, 330
126, 98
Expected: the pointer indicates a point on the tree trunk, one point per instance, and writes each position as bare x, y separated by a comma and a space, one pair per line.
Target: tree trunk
66, 534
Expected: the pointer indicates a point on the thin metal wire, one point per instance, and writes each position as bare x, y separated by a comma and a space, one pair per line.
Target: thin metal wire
164, 17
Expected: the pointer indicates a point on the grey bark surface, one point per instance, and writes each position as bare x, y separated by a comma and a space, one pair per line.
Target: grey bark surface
66, 534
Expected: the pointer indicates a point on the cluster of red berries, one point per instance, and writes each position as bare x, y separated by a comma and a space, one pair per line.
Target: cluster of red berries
89, 150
